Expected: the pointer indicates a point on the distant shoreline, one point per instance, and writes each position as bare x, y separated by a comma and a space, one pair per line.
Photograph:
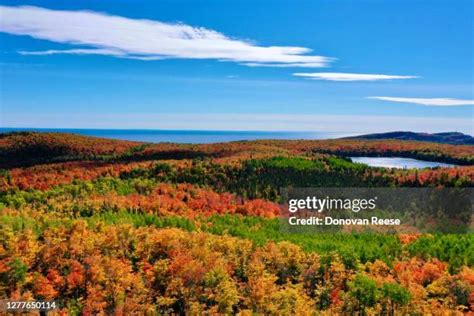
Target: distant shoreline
219, 136
185, 136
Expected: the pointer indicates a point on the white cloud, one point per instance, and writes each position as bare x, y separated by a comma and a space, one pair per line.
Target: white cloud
341, 76
427, 101
288, 65
98, 33
74, 52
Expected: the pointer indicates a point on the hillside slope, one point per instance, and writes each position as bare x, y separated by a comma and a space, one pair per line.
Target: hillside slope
453, 138
30, 148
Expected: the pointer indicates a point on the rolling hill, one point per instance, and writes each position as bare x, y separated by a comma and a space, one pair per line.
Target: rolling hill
453, 138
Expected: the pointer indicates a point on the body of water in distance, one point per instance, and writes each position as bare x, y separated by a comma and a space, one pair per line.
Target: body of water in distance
184, 136
205, 137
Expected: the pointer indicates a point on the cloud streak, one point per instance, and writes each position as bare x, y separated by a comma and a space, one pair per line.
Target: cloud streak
340, 76
97, 33
427, 101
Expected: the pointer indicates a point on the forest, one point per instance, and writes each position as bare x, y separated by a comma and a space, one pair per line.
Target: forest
105, 227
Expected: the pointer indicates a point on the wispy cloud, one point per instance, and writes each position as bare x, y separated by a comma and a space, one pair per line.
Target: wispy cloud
74, 52
427, 101
341, 76
97, 33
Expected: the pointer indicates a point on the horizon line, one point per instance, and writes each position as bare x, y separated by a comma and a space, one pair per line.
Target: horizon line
216, 130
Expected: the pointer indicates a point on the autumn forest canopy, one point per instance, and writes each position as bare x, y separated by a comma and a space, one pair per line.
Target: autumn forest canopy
108, 226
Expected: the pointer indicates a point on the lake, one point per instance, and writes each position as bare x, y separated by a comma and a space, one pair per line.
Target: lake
399, 163
184, 136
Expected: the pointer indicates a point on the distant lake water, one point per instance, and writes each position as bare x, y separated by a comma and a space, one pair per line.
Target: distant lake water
398, 162
185, 136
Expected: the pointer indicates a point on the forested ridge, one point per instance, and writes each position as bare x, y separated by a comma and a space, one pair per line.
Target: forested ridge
454, 138
21, 149
105, 226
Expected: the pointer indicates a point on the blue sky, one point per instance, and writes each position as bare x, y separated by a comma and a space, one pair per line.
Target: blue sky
361, 66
